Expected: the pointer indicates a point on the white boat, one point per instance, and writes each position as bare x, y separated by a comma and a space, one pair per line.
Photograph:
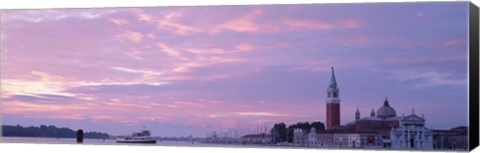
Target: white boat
137, 137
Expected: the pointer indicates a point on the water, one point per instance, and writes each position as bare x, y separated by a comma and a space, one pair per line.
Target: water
109, 142
54, 140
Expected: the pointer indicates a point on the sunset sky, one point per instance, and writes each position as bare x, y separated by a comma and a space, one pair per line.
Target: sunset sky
192, 70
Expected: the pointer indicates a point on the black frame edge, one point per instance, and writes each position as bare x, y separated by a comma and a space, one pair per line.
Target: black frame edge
474, 77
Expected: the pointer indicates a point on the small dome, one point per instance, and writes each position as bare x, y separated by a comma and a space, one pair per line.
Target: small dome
386, 111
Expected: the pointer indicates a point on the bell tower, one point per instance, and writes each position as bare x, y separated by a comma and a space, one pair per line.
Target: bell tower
333, 103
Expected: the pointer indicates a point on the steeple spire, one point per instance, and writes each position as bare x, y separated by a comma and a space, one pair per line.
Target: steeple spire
332, 91
385, 103
333, 81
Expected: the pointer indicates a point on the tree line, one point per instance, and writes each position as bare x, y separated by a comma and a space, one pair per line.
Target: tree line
280, 132
47, 131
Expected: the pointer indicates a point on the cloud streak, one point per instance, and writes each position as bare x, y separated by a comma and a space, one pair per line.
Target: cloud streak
169, 23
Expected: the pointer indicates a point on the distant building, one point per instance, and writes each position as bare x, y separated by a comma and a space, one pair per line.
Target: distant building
313, 138
256, 138
342, 138
455, 138
357, 140
298, 137
325, 139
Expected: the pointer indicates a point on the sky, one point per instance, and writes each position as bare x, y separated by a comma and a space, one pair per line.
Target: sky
181, 71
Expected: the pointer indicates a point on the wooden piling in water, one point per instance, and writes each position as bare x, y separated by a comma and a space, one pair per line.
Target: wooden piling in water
80, 136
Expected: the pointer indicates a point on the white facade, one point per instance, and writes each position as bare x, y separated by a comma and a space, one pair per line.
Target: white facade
298, 137
340, 140
411, 134
313, 138
357, 140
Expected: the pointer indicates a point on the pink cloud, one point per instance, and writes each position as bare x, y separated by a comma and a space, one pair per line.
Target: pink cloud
349, 24
252, 24
278, 45
319, 25
246, 23
198, 122
138, 71
142, 16
67, 117
203, 57
119, 22
37, 83
43, 15
307, 24
131, 36
169, 23
115, 111
152, 36
134, 54
218, 59
246, 47
228, 124
315, 65
182, 69
247, 114
42, 108
270, 114
205, 50
192, 70
453, 43
170, 51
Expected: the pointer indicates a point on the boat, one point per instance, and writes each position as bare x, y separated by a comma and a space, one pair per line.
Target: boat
137, 137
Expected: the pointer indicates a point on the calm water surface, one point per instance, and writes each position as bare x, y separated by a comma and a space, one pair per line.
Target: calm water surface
108, 142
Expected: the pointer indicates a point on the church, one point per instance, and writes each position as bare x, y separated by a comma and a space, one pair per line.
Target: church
381, 129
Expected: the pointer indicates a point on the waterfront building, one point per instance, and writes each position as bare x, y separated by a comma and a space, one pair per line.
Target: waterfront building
298, 137
357, 140
411, 134
455, 138
325, 139
313, 138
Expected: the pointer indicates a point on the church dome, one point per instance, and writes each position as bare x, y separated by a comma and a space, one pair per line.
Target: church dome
386, 111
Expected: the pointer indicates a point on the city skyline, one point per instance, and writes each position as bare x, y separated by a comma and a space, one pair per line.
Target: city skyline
193, 70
